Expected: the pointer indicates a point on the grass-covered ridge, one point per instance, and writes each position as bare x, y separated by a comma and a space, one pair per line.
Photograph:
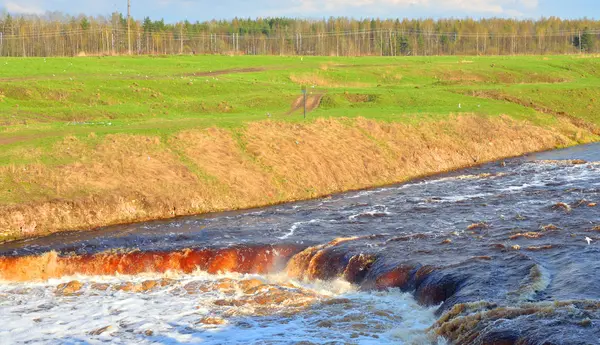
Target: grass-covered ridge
91, 131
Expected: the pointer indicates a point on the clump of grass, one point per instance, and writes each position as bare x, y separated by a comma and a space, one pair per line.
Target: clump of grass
330, 101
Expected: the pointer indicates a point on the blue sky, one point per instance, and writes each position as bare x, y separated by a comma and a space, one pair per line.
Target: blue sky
174, 10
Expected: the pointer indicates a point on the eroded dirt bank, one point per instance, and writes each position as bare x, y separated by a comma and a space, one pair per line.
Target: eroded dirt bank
128, 178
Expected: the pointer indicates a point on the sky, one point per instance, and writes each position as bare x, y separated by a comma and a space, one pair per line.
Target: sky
175, 10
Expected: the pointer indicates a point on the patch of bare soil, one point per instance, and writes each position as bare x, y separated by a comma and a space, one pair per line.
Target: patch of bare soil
15, 139
228, 71
312, 102
359, 98
461, 77
6, 141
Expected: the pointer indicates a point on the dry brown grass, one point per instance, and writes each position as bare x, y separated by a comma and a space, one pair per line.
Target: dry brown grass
466, 77
309, 79
126, 178
462, 77
231, 172
318, 80
588, 56
326, 66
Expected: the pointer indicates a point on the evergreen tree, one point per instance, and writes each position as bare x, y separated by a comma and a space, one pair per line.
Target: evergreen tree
584, 42
587, 41
85, 23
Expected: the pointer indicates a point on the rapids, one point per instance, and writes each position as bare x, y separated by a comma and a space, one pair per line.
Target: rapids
496, 254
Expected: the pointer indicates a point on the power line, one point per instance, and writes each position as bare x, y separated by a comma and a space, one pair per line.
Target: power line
378, 41
129, 25
291, 35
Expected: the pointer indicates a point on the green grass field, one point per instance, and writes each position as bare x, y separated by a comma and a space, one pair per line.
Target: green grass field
44, 100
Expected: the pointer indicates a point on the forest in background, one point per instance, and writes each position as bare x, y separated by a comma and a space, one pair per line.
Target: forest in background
56, 34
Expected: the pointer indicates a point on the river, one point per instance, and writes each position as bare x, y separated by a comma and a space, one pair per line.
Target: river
504, 253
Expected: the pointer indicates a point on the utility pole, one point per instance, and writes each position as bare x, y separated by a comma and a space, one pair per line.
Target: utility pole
304, 95
129, 25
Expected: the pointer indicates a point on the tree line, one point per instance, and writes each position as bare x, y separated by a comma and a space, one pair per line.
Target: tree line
56, 34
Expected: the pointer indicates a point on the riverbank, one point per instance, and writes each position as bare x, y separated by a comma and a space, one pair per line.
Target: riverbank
136, 178
90, 142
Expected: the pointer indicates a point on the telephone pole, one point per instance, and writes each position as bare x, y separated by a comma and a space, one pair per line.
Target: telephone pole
181, 39
129, 25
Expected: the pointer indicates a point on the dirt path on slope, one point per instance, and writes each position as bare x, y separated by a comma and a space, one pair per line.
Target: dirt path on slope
126, 77
312, 102
11, 140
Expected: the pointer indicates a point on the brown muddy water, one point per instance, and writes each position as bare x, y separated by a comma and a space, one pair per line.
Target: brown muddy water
500, 254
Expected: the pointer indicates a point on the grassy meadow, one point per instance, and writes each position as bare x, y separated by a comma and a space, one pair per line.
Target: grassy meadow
77, 130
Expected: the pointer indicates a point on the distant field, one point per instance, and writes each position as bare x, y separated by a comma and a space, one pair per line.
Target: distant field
43, 100
60, 112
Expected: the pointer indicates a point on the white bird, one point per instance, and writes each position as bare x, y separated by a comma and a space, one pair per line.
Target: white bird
589, 240
459, 106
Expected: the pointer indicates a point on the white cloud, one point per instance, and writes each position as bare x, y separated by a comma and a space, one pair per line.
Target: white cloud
21, 8
493, 7
529, 3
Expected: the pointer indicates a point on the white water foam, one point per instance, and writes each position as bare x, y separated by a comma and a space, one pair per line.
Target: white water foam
34, 313
459, 198
375, 211
297, 225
